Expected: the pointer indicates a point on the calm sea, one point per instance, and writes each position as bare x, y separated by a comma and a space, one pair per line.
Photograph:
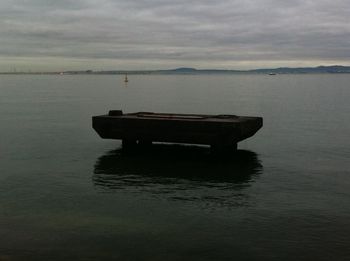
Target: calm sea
66, 194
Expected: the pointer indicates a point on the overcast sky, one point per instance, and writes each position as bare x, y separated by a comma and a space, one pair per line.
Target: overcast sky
151, 34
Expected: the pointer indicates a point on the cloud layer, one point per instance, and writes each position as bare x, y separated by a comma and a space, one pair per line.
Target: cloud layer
146, 34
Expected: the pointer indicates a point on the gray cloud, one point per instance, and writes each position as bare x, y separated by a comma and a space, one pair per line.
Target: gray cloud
162, 33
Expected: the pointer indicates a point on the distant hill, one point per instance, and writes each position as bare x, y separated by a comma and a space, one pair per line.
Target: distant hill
281, 70
184, 70
319, 69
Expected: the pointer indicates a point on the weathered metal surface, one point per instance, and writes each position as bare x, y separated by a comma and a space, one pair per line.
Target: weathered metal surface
146, 127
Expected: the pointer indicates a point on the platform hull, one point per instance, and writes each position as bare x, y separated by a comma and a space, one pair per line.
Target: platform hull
214, 130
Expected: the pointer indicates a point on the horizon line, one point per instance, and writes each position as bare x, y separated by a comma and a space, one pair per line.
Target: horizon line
178, 69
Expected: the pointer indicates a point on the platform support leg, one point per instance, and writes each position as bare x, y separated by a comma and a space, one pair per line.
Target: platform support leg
145, 143
128, 143
223, 148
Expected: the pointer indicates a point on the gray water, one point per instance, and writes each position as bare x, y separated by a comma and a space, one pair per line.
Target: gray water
66, 194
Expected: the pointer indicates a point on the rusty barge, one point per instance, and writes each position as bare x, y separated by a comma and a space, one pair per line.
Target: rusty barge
221, 132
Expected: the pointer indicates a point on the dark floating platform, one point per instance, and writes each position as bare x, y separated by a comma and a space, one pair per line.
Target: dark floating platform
221, 132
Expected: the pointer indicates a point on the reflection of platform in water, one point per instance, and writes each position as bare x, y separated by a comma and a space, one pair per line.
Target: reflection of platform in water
178, 172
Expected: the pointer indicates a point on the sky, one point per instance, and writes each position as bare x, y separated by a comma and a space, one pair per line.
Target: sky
59, 35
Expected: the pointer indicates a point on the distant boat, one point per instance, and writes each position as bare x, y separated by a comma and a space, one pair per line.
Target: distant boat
126, 78
272, 73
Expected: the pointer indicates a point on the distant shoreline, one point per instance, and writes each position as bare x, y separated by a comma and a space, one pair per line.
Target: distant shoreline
336, 69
